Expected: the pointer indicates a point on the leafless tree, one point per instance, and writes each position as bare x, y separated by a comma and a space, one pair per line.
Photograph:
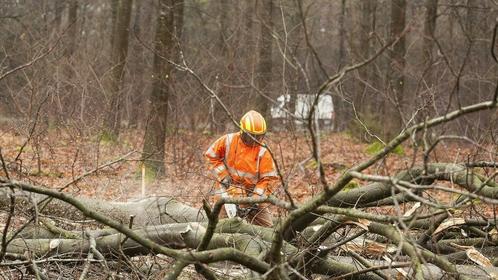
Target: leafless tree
427, 216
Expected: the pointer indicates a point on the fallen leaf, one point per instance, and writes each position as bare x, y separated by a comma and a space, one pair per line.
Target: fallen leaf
362, 223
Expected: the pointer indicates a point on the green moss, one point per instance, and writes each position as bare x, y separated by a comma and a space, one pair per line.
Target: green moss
377, 147
107, 137
52, 174
207, 132
312, 164
351, 185
370, 124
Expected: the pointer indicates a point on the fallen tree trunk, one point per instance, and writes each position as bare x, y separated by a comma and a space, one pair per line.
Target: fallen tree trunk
232, 233
146, 211
170, 235
430, 271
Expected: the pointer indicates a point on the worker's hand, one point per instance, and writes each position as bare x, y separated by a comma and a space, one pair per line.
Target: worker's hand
226, 181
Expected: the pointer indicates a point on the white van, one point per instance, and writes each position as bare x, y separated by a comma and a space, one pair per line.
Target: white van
324, 114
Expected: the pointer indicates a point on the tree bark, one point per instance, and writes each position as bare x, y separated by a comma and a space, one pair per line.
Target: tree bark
264, 72
147, 211
394, 104
119, 52
59, 8
364, 51
429, 29
74, 30
155, 134
219, 117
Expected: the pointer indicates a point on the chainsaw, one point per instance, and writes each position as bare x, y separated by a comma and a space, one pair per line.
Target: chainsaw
230, 208
234, 210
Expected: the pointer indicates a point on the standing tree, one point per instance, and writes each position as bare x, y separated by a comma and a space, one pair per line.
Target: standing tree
364, 50
218, 115
119, 51
396, 76
155, 132
59, 7
264, 68
428, 41
73, 31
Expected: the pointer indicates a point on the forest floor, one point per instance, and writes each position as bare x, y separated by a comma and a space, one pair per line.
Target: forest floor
56, 157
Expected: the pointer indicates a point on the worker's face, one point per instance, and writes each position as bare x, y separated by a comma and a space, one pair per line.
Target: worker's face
248, 139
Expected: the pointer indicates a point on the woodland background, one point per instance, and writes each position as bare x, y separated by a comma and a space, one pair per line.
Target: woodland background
118, 99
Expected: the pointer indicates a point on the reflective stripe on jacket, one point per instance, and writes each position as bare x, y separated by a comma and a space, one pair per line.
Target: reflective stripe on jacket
248, 166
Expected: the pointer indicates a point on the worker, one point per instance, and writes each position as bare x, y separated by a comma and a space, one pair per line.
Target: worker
244, 168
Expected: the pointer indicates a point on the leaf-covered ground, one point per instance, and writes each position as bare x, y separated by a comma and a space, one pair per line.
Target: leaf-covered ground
56, 157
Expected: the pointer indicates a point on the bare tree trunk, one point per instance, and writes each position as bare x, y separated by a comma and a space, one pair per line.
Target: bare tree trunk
393, 106
115, 4
427, 49
428, 40
342, 35
219, 118
137, 104
364, 50
66, 93
74, 30
178, 14
295, 39
249, 41
119, 52
263, 78
341, 107
429, 28
155, 133
59, 8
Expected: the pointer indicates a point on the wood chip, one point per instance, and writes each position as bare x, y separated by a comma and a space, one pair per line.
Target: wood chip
478, 258
412, 210
451, 222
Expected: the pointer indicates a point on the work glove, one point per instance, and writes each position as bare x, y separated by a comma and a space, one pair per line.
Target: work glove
226, 182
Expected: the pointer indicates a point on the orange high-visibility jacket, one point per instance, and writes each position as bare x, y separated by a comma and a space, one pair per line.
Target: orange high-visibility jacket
248, 166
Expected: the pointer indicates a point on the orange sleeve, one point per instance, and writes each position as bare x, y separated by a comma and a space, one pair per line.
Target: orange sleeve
268, 177
215, 156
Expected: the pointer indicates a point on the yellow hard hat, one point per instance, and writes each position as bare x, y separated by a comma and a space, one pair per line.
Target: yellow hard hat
253, 122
